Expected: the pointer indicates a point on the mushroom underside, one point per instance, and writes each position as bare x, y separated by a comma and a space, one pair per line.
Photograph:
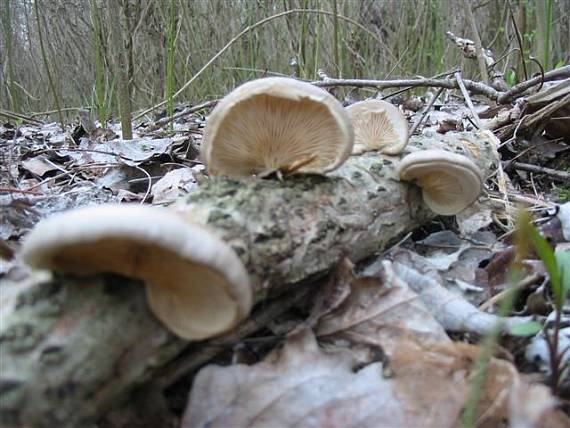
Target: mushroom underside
268, 132
449, 192
373, 130
192, 300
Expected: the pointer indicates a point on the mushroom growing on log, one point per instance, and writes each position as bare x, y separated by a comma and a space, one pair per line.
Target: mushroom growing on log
450, 182
73, 347
276, 123
378, 125
195, 284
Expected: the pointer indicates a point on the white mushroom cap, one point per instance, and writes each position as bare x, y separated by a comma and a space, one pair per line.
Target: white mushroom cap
378, 125
275, 123
449, 182
196, 285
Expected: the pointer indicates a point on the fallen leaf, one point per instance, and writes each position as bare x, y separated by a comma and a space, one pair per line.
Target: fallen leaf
304, 386
38, 165
173, 185
474, 218
382, 310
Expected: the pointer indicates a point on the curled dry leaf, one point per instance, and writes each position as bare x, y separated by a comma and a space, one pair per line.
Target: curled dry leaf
304, 386
173, 185
382, 311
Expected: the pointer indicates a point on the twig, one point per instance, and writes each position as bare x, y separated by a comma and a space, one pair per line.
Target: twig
559, 73
160, 123
258, 70
468, 99
19, 116
437, 76
47, 113
475, 87
14, 190
149, 178
495, 196
519, 41
534, 120
426, 110
553, 173
499, 297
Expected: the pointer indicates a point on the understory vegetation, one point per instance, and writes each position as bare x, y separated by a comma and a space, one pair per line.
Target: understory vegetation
167, 42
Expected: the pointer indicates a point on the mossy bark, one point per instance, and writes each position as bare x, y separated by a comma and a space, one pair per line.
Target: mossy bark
72, 348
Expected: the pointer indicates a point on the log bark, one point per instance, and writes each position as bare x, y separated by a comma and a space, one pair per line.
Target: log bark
72, 348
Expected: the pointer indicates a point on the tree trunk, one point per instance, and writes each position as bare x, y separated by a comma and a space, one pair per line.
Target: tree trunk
121, 68
72, 348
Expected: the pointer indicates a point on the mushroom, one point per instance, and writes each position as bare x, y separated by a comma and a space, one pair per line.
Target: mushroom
195, 283
273, 124
378, 125
449, 182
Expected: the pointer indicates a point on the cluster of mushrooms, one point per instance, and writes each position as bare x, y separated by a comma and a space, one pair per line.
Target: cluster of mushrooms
195, 283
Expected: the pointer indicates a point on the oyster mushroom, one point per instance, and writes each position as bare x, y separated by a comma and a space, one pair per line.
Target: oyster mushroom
378, 125
276, 123
195, 284
449, 182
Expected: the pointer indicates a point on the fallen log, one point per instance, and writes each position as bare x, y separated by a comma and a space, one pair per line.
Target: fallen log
72, 348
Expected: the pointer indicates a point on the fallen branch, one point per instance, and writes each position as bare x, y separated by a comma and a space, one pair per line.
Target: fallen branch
533, 122
519, 89
166, 120
552, 173
18, 116
475, 87
72, 347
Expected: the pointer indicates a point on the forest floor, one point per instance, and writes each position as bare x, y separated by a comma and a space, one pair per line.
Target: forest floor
47, 170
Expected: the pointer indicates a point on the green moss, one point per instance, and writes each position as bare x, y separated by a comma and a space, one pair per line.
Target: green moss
562, 193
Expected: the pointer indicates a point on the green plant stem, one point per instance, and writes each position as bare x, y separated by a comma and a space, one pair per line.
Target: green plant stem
99, 64
482, 363
241, 34
121, 70
171, 43
7, 27
46, 65
336, 64
520, 43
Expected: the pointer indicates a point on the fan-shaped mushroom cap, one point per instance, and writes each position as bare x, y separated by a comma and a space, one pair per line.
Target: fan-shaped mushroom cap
449, 182
274, 123
378, 125
196, 285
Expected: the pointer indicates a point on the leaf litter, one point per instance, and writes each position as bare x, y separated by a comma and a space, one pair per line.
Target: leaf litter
386, 350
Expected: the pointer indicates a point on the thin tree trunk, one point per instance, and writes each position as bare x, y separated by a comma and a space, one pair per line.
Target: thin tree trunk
72, 348
121, 68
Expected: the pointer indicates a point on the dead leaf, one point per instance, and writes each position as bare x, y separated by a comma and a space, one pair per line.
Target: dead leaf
173, 185
474, 218
304, 386
382, 311
333, 292
38, 165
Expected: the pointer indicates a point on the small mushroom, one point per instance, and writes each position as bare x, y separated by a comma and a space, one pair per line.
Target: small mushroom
273, 124
378, 125
195, 283
449, 182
